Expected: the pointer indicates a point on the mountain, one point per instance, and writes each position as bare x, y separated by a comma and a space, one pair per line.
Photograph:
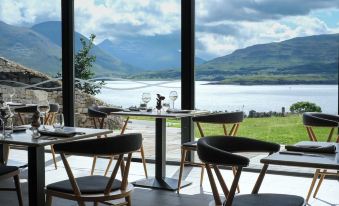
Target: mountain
104, 64
29, 48
312, 59
148, 52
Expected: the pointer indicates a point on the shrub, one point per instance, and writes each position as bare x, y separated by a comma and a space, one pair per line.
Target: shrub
301, 107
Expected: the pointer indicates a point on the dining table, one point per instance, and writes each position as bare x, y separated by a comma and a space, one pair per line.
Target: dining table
160, 181
318, 161
36, 153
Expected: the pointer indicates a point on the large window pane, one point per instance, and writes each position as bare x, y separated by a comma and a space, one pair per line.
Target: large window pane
137, 50
264, 56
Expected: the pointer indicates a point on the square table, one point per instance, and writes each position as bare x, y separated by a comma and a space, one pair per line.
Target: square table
318, 161
160, 181
36, 156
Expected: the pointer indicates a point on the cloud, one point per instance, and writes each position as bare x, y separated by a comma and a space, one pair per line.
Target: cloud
257, 10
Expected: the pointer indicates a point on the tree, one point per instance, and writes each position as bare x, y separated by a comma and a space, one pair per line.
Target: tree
83, 67
83, 63
301, 107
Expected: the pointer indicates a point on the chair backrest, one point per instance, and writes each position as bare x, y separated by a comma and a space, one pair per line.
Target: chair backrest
218, 150
233, 118
53, 109
120, 144
316, 119
117, 145
25, 110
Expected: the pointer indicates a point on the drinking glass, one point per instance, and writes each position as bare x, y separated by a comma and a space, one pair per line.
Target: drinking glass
166, 105
43, 109
173, 96
59, 121
146, 97
11, 92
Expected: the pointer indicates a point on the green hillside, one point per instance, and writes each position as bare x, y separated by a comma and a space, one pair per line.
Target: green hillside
312, 59
29, 49
104, 64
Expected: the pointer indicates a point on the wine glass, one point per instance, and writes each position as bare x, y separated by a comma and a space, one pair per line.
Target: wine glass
146, 97
173, 96
59, 121
11, 92
43, 109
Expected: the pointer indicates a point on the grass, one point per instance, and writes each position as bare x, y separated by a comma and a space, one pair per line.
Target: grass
282, 130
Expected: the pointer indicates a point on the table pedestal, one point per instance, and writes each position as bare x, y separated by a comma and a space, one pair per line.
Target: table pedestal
160, 181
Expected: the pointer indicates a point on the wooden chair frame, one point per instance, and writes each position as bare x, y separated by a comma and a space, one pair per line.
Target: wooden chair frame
185, 149
319, 174
17, 189
99, 122
230, 193
124, 191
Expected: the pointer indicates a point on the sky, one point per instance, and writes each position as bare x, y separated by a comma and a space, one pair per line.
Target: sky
222, 26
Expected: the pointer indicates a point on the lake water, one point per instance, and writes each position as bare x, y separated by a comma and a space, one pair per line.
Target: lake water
261, 98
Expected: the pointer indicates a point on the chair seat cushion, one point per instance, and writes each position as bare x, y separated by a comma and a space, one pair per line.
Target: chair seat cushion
268, 200
7, 169
87, 185
190, 145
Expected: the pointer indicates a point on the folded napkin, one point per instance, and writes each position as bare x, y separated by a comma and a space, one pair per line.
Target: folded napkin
312, 148
178, 111
59, 133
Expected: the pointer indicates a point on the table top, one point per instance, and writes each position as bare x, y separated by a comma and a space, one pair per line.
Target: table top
319, 160
162, 114
25, 138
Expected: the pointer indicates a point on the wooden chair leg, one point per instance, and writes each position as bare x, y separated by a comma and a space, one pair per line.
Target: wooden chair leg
81, 203
109, 165
315, 177
202, 175
322, 177
234, 169
129, 200
54, 159
95, 203
18, 189
182, 163
93, 164
213, 186
143, 159
48, 200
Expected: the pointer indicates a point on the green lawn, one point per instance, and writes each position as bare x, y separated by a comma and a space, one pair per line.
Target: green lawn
282, 130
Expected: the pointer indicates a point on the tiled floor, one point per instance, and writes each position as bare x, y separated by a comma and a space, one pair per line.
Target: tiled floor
192, 195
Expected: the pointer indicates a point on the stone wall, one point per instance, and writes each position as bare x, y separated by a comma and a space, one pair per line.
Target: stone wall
11, 71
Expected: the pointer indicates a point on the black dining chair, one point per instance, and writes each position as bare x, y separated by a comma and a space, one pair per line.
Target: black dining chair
8, 172
230, 119
95, 188
313, 120
98, 114
215, 151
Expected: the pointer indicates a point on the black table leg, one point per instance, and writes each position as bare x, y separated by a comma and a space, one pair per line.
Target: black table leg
36, 176
160, 181
4, 149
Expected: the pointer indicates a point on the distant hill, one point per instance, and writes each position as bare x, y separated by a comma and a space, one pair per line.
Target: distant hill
302, 60
148, 52
105, 63
312, 59
29, 48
